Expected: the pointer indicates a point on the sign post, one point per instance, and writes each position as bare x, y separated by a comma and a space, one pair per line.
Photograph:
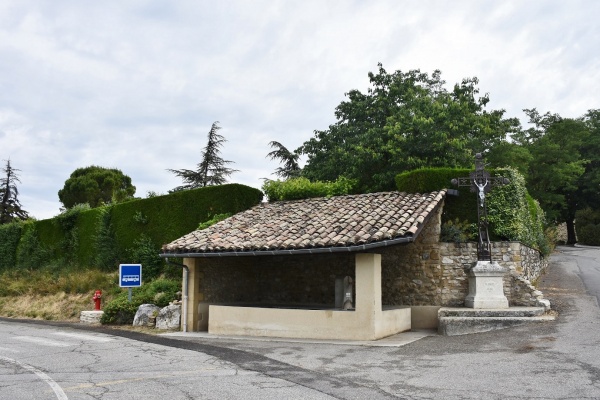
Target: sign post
130, 276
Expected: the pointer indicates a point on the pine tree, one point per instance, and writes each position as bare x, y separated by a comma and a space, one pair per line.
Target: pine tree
212, 170
290, 168
10, 207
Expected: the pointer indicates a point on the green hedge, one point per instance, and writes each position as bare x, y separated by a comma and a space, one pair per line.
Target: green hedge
302, 188
101, 237
512, 213
462, 207
166, 218
10, 234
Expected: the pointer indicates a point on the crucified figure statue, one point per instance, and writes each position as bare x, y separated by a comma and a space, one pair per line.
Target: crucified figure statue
481, 187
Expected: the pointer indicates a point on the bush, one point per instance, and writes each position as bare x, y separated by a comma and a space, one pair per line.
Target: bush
302, 188
587, 224
458, 231
120, 311
159, 292
213, 220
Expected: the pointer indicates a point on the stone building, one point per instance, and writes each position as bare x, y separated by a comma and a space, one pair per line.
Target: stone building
349, 267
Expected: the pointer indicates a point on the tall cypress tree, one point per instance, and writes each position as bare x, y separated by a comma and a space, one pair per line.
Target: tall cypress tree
212, 170
10, 207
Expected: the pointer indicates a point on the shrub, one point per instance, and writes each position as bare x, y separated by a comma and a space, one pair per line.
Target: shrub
213, 220
588, 226
458, 231
119, 311
159, 292
302, 188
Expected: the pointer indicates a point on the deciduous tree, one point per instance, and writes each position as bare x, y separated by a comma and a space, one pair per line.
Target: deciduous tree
404, 121
558, 164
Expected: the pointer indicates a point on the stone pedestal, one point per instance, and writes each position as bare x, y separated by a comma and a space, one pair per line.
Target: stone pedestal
90, 317
486, 286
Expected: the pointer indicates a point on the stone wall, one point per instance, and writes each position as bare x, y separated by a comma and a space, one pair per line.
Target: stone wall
423, 272
524, 265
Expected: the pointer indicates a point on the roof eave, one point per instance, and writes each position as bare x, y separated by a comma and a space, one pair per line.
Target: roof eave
316, 250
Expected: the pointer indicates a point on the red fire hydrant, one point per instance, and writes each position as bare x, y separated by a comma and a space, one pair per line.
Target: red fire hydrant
97, 299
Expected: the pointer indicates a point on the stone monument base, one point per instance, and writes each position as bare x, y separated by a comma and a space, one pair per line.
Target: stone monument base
486, 286
90, 317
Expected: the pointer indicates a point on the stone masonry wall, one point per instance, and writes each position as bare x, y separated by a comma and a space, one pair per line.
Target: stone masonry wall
524, 265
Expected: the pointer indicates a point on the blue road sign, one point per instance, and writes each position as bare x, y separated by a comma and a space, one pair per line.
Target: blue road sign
130, 275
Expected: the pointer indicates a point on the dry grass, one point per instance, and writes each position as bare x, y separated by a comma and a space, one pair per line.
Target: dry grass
55, 307
52, 295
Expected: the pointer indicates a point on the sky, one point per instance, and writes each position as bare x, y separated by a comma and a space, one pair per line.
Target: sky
136, 85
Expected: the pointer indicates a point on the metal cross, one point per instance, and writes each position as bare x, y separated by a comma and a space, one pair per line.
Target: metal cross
481, 182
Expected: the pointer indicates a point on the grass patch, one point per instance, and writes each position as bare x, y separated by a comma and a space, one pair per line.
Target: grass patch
56, 307
50, 281
53, 295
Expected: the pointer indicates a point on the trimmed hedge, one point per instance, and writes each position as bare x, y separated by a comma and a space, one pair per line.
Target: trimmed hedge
512, 213
101, 237
10, 234
302, 188
425, 180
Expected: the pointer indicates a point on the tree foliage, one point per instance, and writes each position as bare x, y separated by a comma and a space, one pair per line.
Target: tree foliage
404, 121
558, 165
212, 170
96, 186
589, 186
290, 168
10, 207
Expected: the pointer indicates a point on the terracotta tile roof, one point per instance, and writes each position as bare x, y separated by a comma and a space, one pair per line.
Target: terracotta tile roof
318, 223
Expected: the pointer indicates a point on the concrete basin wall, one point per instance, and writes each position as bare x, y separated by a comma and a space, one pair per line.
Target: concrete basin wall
306, 324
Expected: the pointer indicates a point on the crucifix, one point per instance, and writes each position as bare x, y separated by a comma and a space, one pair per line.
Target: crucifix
481, 182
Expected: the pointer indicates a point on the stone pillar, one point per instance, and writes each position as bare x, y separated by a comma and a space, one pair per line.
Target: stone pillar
195, 296
486, 286
368, 288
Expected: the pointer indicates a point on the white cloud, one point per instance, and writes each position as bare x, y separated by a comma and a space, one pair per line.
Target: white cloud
136, 85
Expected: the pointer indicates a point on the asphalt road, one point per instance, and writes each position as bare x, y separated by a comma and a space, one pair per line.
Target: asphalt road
550, 360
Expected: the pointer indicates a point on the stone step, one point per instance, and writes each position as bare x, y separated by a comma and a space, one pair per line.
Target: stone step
499, 312
452, 326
